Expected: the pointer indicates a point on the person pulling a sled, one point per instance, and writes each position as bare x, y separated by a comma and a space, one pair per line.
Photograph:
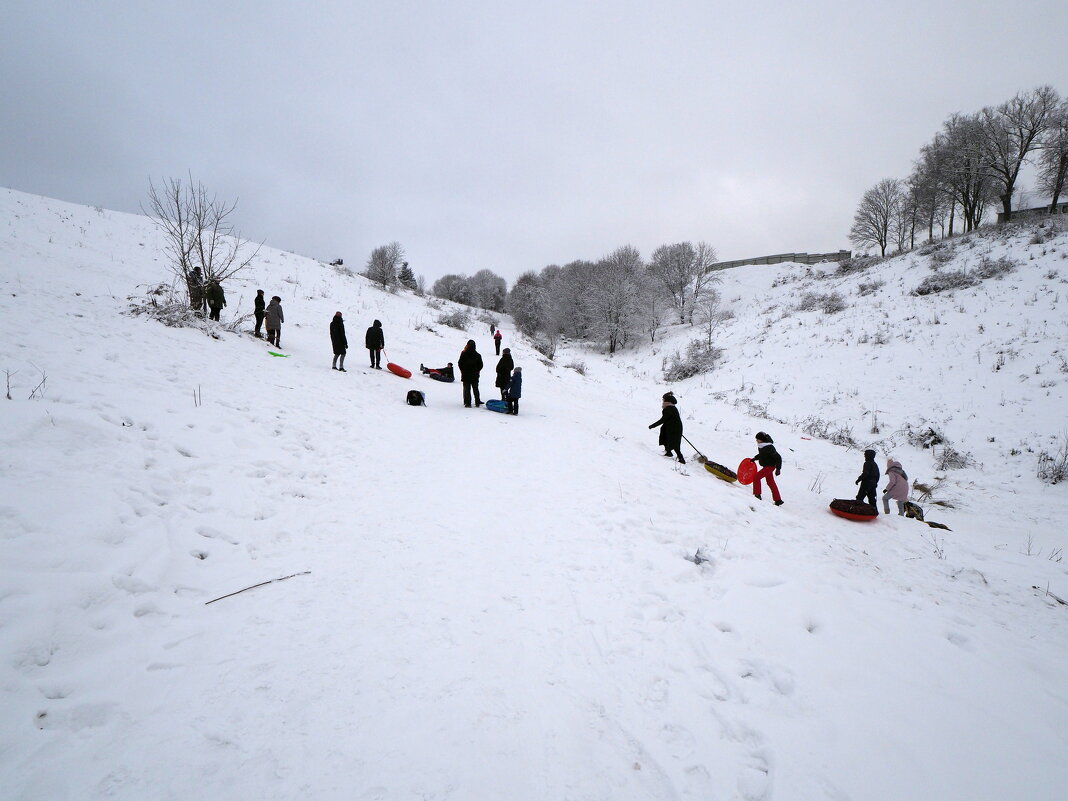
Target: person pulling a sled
375, 340
868, 480
770, 466
671, 431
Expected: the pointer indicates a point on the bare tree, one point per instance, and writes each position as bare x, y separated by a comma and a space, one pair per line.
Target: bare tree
613, 306
201, 242
875, 215
673, 266
384, 264
965, 166
1053, 163
1010, 131
704, 256
528, 303
711, 316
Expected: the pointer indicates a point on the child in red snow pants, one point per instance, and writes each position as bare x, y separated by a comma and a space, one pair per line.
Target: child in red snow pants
768, 473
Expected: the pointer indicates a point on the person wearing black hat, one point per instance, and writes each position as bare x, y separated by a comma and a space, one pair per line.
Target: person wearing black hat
339, 341
671, 433
375, 341
868, 480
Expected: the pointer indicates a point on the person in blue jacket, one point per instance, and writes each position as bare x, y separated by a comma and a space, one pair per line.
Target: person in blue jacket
514, 391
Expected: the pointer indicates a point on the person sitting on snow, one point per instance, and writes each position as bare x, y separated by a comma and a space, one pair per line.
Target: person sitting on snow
439, 373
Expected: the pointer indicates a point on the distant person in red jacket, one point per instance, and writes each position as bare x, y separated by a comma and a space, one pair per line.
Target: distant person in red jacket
497, 341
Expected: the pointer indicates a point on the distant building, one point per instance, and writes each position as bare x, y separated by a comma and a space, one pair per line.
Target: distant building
1037, 211
779, 258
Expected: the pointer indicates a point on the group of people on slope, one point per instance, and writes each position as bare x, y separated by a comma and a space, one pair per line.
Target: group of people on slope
374, 340
269, 313
509, 377
897, 483
769, 463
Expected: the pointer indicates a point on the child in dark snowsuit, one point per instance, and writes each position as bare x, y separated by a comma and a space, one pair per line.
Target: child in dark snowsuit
671, 433
868, 480
514, 391
770, 463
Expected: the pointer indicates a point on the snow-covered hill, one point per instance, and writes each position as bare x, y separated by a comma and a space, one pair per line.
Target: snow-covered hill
489, 607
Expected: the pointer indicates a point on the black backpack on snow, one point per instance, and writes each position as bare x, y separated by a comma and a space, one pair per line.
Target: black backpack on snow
415, 398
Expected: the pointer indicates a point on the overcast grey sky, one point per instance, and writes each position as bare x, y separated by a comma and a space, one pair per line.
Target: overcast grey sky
500, 134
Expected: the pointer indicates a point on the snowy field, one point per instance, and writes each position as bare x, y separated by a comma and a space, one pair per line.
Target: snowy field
501, 608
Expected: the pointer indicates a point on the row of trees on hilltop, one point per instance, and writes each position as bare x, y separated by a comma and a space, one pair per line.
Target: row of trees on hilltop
618, 298
971, 164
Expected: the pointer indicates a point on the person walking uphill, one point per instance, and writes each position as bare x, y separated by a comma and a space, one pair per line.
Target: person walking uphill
339, 341
497, 341
897, 486
671, 433
470, 364
504, 372
375, 341
259, 304
515, 391
868, 480
770, 463
274, 318
216, 299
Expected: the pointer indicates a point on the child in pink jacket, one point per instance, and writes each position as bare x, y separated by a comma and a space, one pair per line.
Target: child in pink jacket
897, 487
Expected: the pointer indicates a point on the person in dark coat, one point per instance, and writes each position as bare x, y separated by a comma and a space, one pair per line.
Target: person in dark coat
470, 364
671, 433
339, 341
375, 341
497, 341
770, 463
514, 390
504, 372
868, 480
216, 299
259, 304
273, 319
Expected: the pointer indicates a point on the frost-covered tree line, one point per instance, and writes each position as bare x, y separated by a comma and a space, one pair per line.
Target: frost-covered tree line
971, 165
618, 299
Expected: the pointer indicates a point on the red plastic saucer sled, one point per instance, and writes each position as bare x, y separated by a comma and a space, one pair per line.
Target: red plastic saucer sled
747, 471
854, 510
396, 369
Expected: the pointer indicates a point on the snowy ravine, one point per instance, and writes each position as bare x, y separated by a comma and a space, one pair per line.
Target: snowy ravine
494, 607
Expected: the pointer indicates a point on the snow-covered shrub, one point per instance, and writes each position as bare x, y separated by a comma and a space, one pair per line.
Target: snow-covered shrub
545, 344
856, 265
458, 318
165, 305
869, 287
949, 458
994, 268
577, 366
1053, 468
435, 303
835, 433
699, 358
828, 303
923, 436
941, 281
